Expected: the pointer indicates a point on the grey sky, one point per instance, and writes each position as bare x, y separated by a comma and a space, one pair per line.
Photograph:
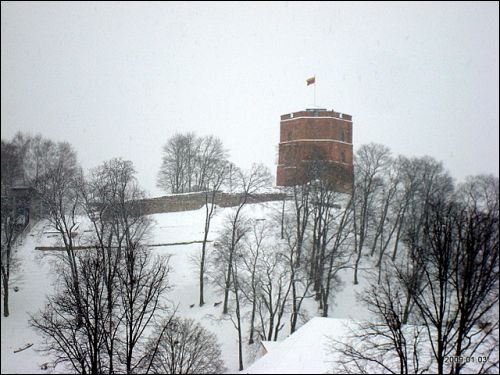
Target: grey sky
118, 79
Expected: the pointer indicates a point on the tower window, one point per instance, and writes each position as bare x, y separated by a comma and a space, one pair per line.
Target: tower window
342, 156
342, 135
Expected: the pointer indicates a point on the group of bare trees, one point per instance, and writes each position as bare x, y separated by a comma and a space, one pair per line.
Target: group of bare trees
110, 293
189, 162
436, 288
439, 288
272, 276
182, 346
48, 166
391, 198
226, 261
434, 247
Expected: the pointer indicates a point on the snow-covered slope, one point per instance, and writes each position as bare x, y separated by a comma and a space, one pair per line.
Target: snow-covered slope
35, 278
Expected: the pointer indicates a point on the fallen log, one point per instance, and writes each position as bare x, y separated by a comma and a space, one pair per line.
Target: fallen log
28, 345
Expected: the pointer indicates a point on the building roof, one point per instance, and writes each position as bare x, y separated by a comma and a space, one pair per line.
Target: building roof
307, 351
269, 345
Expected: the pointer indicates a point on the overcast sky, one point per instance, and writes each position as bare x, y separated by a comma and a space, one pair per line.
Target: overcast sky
118, 79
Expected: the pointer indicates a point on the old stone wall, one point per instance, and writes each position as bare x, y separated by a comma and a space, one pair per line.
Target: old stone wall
194, 201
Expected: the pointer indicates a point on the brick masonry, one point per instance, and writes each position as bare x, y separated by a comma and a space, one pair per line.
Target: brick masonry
315, 134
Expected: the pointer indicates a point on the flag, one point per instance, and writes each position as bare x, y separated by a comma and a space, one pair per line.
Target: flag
311, 80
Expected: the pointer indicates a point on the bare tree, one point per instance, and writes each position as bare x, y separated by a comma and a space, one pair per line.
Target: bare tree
409, 271
268, 275
299, 279
238, 324
331, 227
460, 289
143, 282
119, 290
385, 344
71, 319
11, 171
189, 162
338, 256
10, 234
176, 171
216, 175
433, 184
57, 187
250, 265
480, 193
434, 299
108, 197
210, 157
182, 346
409, 172
301, 193
369, 162
52, 169
249, 183
275, 289
425, 181
230, 248
385, 198
475, 283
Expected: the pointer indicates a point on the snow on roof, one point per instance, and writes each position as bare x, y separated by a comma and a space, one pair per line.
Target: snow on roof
269, 345
304, 352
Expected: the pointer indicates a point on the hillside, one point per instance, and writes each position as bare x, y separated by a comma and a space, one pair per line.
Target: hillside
35, 279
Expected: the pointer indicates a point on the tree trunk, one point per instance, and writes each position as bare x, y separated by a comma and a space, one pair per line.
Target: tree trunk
228, 284
231, 253
356, 263
283, 219
252, 323
396, 242
5, 281
202, 271
238, 318
295, 312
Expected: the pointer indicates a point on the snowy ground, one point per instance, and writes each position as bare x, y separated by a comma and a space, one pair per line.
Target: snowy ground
35, 278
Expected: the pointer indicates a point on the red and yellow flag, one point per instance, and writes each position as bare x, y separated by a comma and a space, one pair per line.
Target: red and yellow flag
311, 80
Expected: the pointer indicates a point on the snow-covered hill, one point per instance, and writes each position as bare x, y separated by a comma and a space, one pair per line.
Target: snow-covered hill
35, 280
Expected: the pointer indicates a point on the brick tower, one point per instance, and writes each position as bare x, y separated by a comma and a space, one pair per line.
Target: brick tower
316, 137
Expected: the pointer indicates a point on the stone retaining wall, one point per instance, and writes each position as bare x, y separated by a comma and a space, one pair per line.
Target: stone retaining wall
194, 201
